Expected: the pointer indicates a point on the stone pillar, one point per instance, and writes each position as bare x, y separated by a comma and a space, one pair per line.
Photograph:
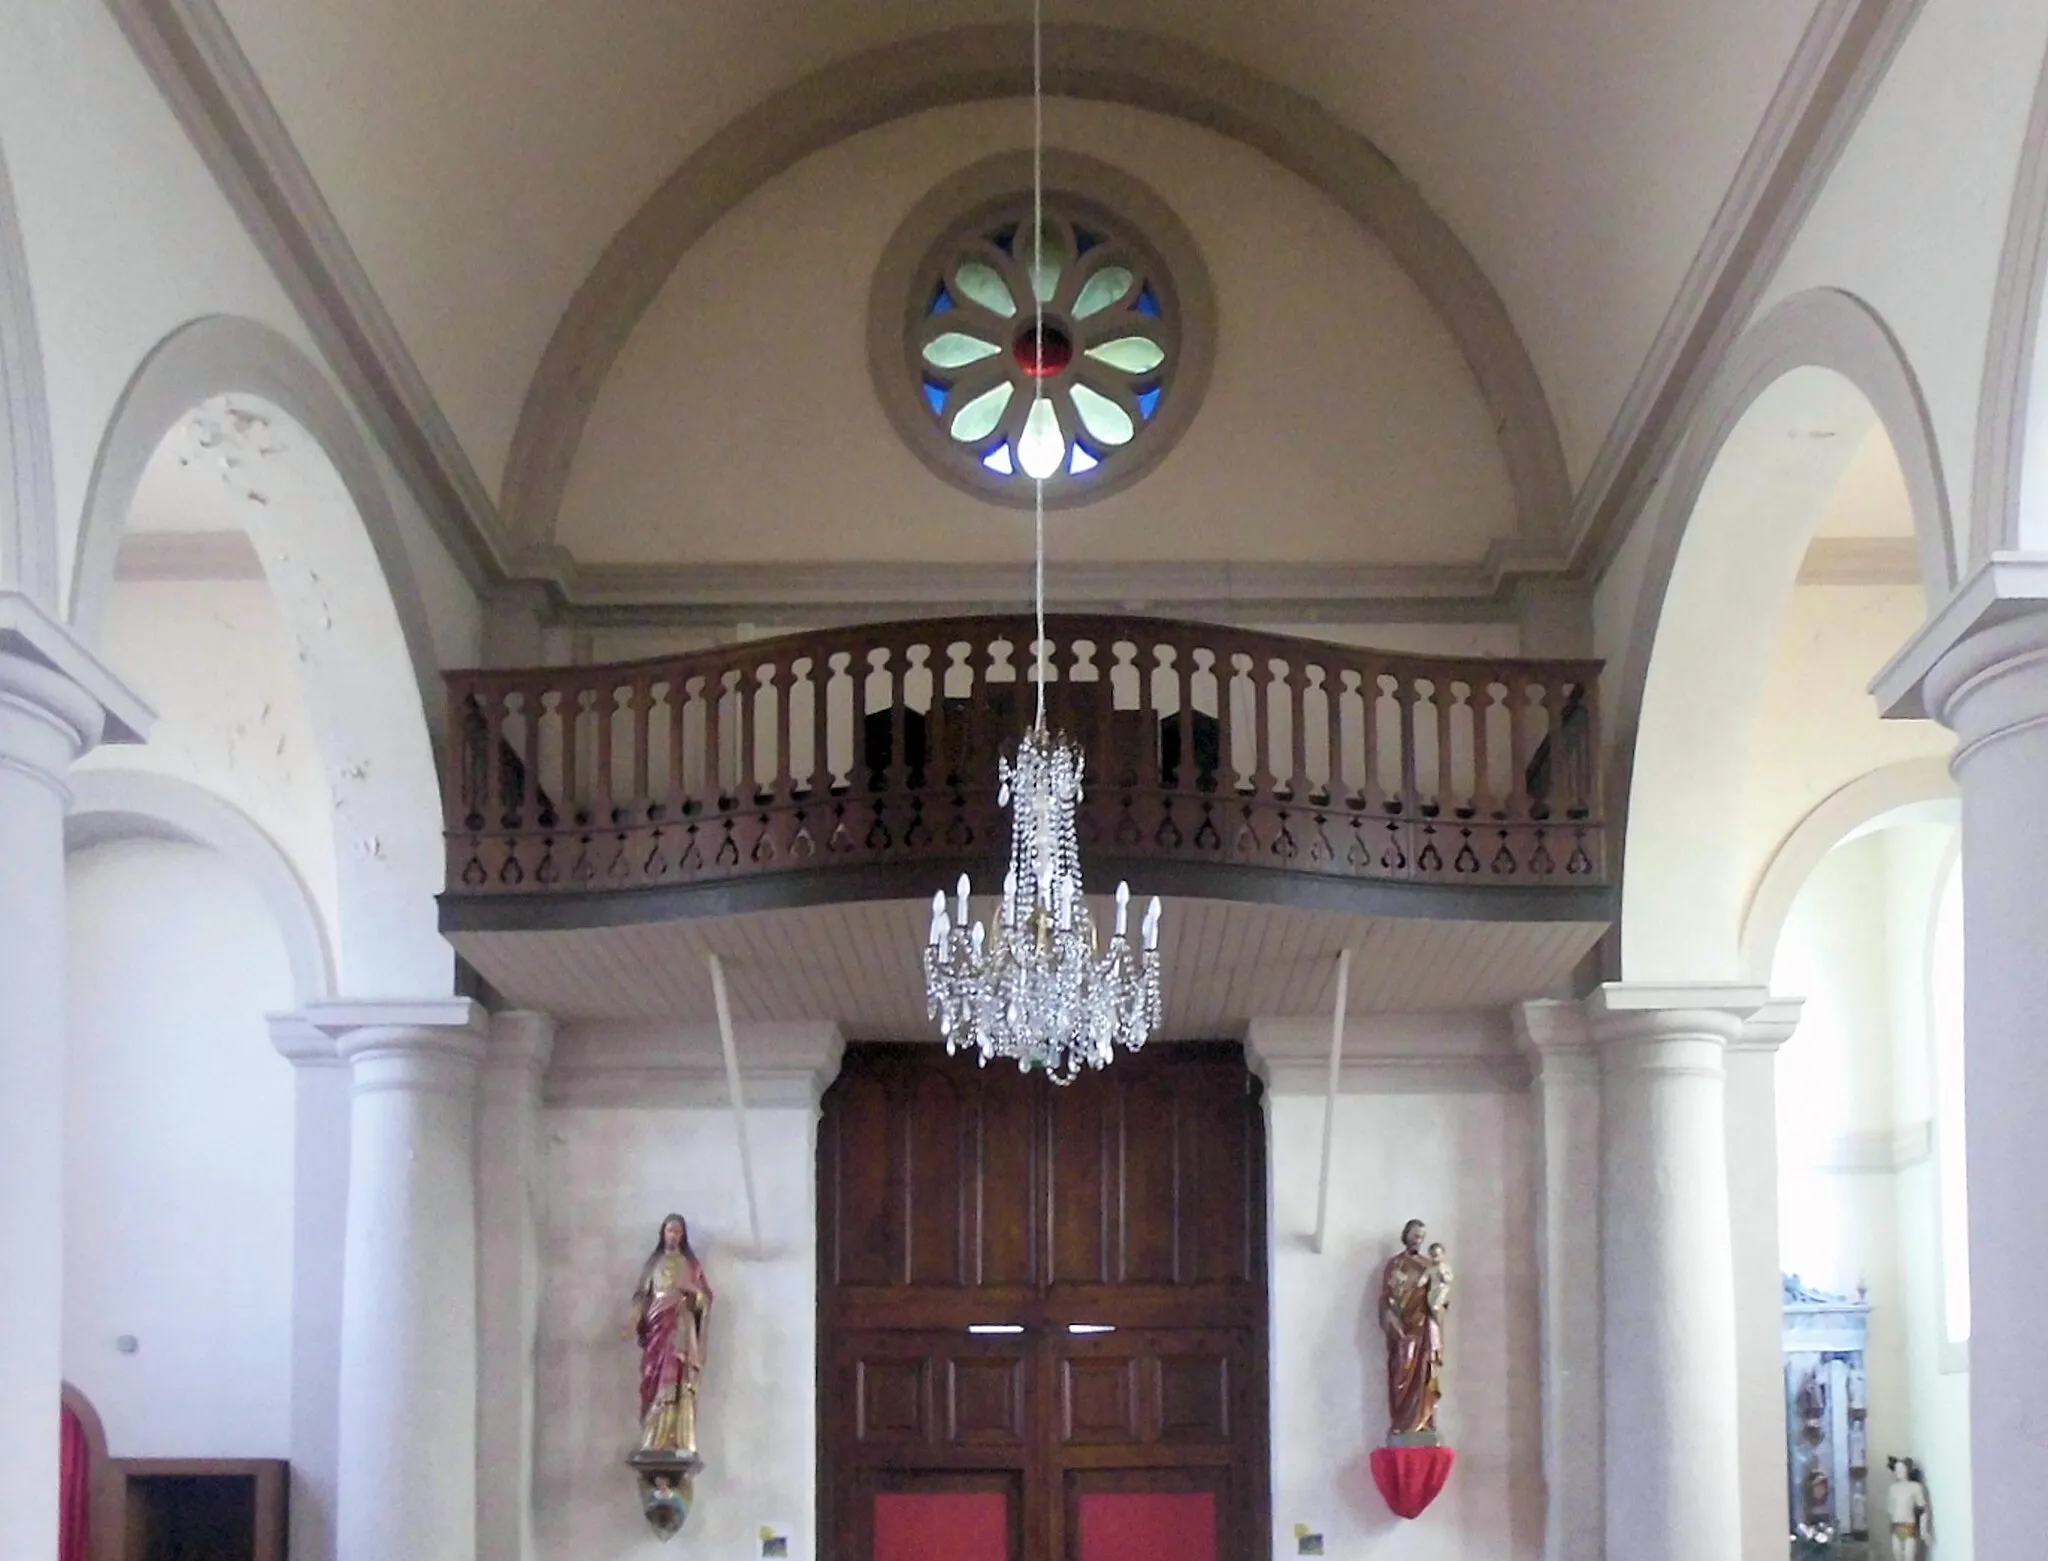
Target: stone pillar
55, 703
320, 1144
1673, 1482
1566, 1078
1991, 688
407, 1443
508, 1279
1759, 1289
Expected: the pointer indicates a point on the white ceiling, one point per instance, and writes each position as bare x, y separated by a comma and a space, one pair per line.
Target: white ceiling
480, 153
858, 965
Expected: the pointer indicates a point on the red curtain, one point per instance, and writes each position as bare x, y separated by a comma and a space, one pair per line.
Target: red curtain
74, 1485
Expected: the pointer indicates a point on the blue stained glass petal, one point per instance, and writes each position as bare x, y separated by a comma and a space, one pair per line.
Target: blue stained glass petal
998, 461
1081, 462
1148, 401
1005, 238
942, 300
1085, 240
1148, 302
935, 395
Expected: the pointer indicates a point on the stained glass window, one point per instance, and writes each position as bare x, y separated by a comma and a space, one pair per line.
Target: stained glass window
1041, 353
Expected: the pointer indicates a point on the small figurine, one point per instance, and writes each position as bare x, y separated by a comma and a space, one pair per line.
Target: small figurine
1906, 1506
1415, 1291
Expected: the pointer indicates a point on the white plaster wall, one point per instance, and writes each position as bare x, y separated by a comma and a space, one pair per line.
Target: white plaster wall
608, 1177
1465, 1163
215, 661
178, 1156
1855, 1084
1838, 1221
741, 422
1938, 1433
1816, 727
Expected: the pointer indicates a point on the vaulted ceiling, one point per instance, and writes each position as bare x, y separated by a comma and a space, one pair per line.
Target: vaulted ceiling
480, 155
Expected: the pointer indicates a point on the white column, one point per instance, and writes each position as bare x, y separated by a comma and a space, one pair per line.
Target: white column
55, 702
407, 1445
1759, 1289
1673, 1485
320, 1145
1566, 1079
508, 1279
45, 722
1991, 689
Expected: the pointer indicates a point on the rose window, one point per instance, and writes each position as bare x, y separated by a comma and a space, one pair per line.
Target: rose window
1051, 359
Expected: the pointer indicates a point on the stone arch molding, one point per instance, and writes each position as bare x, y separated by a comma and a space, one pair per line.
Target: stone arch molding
126, 804
2009, 493
1715, 586
28, 504
975, 64
345, 588
1845, 811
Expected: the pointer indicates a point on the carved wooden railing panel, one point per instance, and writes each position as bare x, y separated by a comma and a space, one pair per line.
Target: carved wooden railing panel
876, 745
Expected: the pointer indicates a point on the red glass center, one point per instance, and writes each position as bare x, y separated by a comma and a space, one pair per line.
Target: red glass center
1042, 354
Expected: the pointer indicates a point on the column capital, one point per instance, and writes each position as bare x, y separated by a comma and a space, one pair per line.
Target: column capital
1770, 1027
1553, 1033
431, 1045
1992, 683
301, 1042
1670, 1027
56, 699
1976, 622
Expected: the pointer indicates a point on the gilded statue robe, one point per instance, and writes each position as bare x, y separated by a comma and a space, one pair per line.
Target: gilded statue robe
1414, 1353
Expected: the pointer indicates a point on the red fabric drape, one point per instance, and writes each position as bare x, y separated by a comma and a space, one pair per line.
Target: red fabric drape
74, 1486
1411, 1477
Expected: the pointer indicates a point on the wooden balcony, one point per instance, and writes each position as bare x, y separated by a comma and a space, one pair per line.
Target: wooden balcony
860, 764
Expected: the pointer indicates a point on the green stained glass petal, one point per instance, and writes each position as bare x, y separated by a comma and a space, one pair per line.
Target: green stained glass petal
1132, 354
1040, 448
1102, 417
956, 349
978, 419
1102, 289
984, 284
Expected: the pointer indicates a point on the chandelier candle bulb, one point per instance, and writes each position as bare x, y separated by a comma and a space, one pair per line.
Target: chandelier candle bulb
1123, 907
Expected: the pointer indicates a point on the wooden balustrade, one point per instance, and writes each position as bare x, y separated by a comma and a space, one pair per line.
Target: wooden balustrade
875, 746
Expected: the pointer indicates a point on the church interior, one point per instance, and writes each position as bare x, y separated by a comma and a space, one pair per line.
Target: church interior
986, 780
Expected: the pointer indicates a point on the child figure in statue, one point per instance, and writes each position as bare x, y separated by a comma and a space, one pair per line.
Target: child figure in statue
671, 1305
1906, 1506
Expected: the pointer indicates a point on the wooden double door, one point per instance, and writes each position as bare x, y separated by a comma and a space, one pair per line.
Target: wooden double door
1042, 1311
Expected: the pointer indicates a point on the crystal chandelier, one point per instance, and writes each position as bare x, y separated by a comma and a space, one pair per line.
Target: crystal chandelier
1037, 985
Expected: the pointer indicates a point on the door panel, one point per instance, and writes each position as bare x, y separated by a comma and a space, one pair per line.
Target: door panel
1113, 1231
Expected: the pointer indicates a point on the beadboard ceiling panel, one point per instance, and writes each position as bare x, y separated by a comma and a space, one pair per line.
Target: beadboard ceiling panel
858, 965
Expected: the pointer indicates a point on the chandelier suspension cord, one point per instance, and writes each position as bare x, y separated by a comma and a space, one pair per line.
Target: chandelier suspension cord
1038, 327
